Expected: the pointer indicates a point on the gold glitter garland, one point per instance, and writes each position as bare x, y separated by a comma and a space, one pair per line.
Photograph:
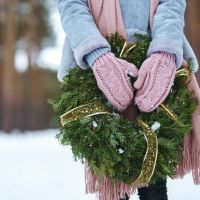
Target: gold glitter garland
86, 110
150, 158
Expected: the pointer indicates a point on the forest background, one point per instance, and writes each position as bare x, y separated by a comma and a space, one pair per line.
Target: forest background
31, 39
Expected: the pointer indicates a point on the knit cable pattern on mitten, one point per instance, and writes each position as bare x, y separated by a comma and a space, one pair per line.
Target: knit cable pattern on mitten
111, 74
155, 79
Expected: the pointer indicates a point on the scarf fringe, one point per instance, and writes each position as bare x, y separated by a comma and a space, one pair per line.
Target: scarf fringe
191, 144
105, 188
195, 160
190, 159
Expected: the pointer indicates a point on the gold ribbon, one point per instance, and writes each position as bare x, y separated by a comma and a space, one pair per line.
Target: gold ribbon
183, 72
168, 112
86, 110
164, 108
150, 158
127, 47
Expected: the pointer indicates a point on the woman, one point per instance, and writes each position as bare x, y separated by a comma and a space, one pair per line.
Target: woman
86, 24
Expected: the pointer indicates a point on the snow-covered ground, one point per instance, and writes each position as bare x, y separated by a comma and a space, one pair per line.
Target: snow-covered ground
33, 166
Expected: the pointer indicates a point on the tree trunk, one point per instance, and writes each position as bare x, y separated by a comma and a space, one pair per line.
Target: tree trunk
9, 74
192, 27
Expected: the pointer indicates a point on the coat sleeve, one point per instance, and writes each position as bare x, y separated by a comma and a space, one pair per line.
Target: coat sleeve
167, 31
85, 39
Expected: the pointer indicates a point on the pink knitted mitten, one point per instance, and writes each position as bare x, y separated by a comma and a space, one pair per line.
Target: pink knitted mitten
155, 79
111, 74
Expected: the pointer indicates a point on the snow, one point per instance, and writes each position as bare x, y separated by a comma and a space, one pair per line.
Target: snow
34, 166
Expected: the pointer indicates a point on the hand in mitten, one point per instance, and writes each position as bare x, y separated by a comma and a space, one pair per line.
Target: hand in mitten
155, 79
111, 74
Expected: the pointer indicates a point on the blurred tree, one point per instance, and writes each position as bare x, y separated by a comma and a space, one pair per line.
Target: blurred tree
2, 20
34, 31
37, 33
24, 25
8, 73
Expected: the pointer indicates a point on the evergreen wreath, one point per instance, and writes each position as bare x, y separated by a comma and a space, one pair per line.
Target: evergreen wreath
114, 146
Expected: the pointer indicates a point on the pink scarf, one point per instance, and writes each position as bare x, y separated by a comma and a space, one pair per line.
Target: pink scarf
191, 144
108, 18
